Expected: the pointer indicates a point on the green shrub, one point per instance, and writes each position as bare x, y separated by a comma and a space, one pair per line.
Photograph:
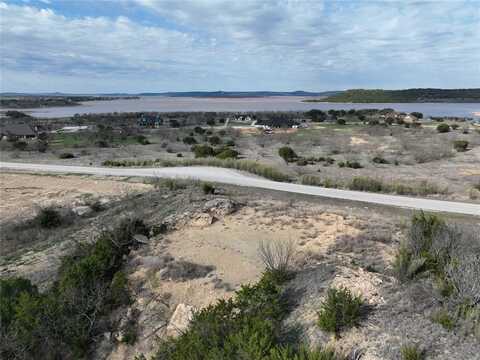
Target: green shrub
208, 188
287, 154
49, 217
62, 322
198, 130
353, 165
247, 326
443, 318
171, 184
411, 352
119, 289
189, 140
66, 156
142, 139
363, 183
380, 160
402, 265
454, 126
443, 128
20, 145
340, 310
214, 140
227, 154
341, 121
317, 181
460, 145
304, 353
11, 289
277, 257
202, 151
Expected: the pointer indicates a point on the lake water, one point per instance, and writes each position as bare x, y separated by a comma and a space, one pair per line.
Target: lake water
275, 103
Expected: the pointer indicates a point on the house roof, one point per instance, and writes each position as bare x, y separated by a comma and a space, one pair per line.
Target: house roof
17, 130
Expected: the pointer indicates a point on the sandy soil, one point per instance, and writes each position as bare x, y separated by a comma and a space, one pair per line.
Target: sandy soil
21, 194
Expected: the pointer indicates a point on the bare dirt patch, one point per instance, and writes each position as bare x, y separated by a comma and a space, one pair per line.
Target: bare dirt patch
22, 194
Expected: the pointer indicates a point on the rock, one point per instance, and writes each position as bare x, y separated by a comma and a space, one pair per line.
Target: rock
202, 220
142, 239
180, 319
220, 207
103, 201
82, 210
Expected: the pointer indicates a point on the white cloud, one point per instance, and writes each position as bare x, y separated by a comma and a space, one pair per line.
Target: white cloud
223, 44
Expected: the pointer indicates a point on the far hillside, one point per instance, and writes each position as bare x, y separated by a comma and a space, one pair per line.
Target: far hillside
404, 96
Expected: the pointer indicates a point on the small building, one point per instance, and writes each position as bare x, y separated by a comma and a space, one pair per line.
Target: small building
150, 121
18, 131
410, 119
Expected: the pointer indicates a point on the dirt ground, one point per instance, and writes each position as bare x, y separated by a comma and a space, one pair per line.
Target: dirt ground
22, 194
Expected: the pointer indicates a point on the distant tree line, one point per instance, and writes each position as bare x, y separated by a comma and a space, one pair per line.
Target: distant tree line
408, 95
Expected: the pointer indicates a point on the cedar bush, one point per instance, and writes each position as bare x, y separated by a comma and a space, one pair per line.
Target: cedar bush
61, 322
340, 310
460, 145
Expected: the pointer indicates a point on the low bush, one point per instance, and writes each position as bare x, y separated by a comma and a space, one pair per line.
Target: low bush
202, 151
189, 140
198, 130
450, 255
214, 140
66, 155
350, 164
142, 139
277, 256
62, 322
49, 217
227, 154
443, 128
363, 183
287, 154
20, 145
247, 326
317, 181
171, 184
304, 353
380, 160
460, 145
411, 352
443, 318
339, 311
208, 188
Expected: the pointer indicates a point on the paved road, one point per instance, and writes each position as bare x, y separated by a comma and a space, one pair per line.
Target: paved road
233, 177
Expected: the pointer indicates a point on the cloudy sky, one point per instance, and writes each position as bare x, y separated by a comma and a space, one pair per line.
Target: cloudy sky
181, 45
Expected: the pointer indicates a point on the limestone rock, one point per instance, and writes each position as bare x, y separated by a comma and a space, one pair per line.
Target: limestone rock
202, 220
82, 210
220, 207
180, 319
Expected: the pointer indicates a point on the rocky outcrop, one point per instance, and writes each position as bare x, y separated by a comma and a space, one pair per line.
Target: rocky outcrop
220, 207
180, 320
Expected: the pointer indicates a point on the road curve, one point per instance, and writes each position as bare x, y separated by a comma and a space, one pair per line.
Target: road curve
228, 176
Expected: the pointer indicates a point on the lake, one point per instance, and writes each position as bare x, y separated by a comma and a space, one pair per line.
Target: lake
274, 103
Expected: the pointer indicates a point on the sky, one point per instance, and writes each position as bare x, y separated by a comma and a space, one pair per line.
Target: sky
102, 46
